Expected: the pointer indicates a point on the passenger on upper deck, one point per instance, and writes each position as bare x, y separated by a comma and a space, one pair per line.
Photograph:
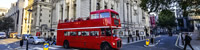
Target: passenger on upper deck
80, 19
66, 20
88, 18
72, 20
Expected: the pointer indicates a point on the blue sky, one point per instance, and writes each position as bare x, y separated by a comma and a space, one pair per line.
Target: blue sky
6, 3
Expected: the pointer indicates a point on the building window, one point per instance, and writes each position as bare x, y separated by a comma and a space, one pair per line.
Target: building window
43, 0
49, 15
67, 11
40, 14
98, 6
40, 6
112, 7
40, 20
40, 9
31, 21
49, 21
105, 6
74, 10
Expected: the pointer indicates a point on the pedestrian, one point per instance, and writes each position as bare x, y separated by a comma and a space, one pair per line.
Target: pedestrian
187, 41
54, 40
48, 40
21, 42
130, 36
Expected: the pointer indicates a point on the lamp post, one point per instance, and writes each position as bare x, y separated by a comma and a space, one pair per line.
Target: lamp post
29, 10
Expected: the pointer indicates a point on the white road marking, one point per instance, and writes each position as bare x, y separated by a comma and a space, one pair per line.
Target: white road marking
8, 46
52, 48
197, 48
37, 48
157, 42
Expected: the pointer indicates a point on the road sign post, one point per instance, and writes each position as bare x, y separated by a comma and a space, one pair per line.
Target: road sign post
46, 46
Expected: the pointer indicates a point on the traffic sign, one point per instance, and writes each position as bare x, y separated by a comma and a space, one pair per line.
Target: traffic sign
46, 46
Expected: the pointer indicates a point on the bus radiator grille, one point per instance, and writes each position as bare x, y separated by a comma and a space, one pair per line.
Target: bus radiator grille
119, 43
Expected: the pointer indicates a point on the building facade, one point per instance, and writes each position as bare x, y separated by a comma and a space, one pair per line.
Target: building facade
133, 18
16, 12
44, 15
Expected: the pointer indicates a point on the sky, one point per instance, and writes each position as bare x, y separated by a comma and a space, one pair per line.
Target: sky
6, 3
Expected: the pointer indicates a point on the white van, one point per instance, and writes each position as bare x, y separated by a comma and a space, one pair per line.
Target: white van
2, 35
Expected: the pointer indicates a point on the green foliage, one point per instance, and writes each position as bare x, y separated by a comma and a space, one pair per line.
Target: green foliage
155, 5
6, 23
166, 19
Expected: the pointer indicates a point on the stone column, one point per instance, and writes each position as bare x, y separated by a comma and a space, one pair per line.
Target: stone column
102, 4
71, 9
78, 8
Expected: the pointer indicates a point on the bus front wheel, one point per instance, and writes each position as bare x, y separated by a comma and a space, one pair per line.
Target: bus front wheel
66, 44
106, 47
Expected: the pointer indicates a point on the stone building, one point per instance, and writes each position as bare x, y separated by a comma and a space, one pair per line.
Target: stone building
16, 12
133, 18
44, 15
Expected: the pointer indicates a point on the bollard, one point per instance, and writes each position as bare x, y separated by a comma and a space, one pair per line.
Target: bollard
136, 38
21, 43
142, 37
128, 40
27, 45
147, 42
132, 39
139, 37
46, 46
152, 40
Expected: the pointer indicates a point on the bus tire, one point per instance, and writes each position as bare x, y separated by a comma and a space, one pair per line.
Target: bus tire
66, 44
105, 46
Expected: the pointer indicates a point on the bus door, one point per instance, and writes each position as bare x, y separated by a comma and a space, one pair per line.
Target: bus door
93, 40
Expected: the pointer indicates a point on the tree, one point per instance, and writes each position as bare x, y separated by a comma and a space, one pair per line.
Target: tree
155, 5
166, 19
6, 23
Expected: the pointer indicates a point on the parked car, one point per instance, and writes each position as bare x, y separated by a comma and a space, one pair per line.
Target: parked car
2, 35
36, 40
25, 36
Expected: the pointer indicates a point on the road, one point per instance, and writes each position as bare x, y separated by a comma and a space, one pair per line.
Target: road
166, 43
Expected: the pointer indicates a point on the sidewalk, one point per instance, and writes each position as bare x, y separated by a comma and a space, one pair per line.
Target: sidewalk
53, 47
195, 43
142, 38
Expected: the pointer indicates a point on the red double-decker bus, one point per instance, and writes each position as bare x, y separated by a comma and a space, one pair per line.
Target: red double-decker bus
96, 32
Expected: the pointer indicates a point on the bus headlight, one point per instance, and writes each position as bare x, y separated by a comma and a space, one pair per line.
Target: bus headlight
113, 43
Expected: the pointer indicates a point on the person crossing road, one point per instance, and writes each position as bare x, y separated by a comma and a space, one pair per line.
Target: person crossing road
187, 41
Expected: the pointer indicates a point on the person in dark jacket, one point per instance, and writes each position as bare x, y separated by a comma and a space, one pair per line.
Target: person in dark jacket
54, 40
187, 41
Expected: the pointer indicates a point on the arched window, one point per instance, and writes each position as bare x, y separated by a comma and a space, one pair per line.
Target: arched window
43, 0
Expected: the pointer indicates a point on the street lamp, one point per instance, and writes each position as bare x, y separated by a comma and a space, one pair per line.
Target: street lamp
29, 10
